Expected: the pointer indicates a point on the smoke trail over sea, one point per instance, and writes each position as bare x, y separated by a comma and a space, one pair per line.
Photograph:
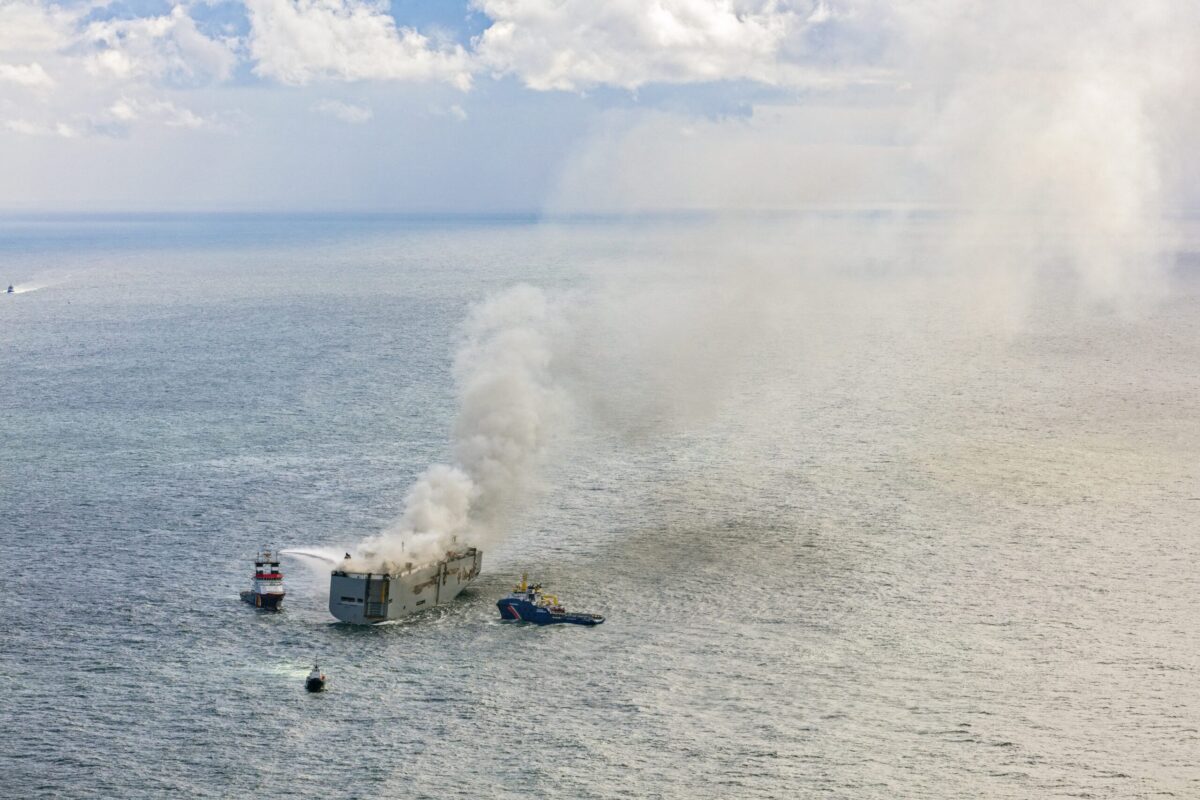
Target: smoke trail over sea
1053, 139
508, 408
1024, 152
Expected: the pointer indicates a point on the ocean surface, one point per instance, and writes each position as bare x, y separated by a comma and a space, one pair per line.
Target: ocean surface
859, 531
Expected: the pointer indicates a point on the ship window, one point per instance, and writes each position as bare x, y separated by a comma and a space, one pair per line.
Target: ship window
351, 600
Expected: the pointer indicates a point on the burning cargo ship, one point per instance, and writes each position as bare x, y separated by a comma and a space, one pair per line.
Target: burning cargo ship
366, 598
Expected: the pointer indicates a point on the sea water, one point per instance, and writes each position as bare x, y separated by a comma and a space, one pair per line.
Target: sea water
874, 548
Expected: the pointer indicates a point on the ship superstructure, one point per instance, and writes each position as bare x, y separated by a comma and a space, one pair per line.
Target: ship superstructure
366, 598
266, 587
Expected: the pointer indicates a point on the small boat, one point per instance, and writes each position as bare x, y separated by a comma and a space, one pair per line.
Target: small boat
528, 603
266, 588
10, 289
315, 682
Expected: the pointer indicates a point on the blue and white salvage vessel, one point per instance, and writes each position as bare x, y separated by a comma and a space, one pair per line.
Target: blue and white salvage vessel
528, 603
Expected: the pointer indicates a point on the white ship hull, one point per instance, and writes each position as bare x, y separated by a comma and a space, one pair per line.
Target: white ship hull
366, 598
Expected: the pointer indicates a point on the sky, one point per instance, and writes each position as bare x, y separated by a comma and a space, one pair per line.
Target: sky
580, 106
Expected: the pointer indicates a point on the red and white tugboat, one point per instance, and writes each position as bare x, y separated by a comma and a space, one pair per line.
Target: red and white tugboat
266, 590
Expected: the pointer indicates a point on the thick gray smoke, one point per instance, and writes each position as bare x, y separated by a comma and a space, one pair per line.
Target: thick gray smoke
508, 407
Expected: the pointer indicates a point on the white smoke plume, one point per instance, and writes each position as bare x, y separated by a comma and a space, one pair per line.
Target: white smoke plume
1048, 140
1056, 139
1053, 131
508, 409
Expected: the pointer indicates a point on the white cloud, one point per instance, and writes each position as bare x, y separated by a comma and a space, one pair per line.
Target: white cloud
346, 112
123, 110
1053, 110
300, 41
163, 112
31, 76
168, 48
453, 110
576, 44
60, 129
97, 78
23, 127
114, 120
29, 26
